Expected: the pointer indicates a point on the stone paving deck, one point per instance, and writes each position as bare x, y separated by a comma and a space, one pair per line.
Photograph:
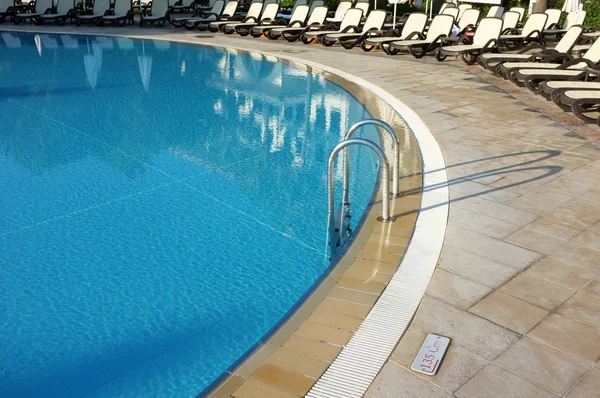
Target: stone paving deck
517, 287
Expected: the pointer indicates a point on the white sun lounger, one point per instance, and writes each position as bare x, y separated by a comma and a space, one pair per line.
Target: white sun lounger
583, 103
372, 26
485, 39
243, 28
159, 12
41, 7
349, 23
199, 17
122, 14
298, 18
495, 12
340, 11
64, 10
440, 28
101, 8
532, 31
573, 18
414, 27
253, 13
315, 21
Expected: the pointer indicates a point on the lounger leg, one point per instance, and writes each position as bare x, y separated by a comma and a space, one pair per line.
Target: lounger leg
580, 105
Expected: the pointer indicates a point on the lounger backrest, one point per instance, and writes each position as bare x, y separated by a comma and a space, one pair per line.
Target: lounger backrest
317, 16
300, 13
375, 20
43, 5
462, 8
519, 10
415, 23
270, 1
217, 7
64, 6
351, 18
469, 17
441, 25
160, 8
566, 43
342, 8
298, 3
231, 8
536, 21
446, 5
364, 7
315, 4
254, 10
495, 12
593, 53
488, 29
270, 11
510, 20
453, 11
553, 17
4, 4
122, 7
570, 20
581, 17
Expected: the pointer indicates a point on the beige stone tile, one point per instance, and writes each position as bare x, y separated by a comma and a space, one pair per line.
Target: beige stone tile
568, 336
563, 273
468, 189
506, 213
343, 307
496, 382
298, 363
560, 231
537, 291
456, 290
374, 285
580, 256
473, 267
281, 379
458, 367
542, 365
394, 381
589, 239
353, 296
509, 312
573, 217
588, 386
492, 249
335, 319
593, 287
475, 334
489, 226
535, 241
254, 389
312, 348
324, 333
584, 308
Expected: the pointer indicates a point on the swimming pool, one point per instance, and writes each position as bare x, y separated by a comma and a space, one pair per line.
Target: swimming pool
162, 208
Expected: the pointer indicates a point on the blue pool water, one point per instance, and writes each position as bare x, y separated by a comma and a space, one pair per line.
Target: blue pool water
162, 207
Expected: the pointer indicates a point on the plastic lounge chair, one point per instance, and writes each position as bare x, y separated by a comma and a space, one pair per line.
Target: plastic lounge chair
520, 11
41, 7
252, 15
583, 103
372, 26
64, 10
485, 39
468, 20
349, 24
365, 6
495, 12
315, 21
298, 18
227, 15
183, 6
553, 18
532, 31
414, 27
100, 9
340, 11
462, 8
202, 16
440, 28
552, 89
453, 11
121, 14
535, 52
243, 28
446, 5
510, 21
159, 14
288, 14
7, 9
573, 18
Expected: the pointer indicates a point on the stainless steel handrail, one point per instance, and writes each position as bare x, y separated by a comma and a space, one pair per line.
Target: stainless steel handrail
395, 144
385, 214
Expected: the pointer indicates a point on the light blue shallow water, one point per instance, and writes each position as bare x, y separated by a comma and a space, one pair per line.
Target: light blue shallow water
162, 207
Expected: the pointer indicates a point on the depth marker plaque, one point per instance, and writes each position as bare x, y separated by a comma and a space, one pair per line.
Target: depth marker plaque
430, 355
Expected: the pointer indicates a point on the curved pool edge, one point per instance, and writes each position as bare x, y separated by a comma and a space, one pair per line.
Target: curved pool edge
409, 282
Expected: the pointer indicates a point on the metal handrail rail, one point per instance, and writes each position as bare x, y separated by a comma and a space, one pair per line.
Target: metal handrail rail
385, 214
395, 144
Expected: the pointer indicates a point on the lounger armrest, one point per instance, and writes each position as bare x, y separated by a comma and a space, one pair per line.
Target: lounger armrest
511, 31
267, 21
350, 28
529, 47
249, 19
553, 26
492, 43
296, 24
415, 34
556, 57
439, 39
535, 33
576, 61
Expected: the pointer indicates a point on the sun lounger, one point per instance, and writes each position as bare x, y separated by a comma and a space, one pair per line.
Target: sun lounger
510, 21
100, 9
252, 15
349, 24
414, 26
6, 9
183, 6
41, 7
532, 31
297, 20
64, 10
453, 11
553, 18
243, 28
485, 39
440, 28
468, 20
462, 8
495, 12
205, 16
315, 21
372, 26
535, 52
340, 11
584, 104
573, 18
552, 89
159, 14
520, 11
121, 14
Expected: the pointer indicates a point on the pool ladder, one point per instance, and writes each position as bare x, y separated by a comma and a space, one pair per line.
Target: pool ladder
339, 223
